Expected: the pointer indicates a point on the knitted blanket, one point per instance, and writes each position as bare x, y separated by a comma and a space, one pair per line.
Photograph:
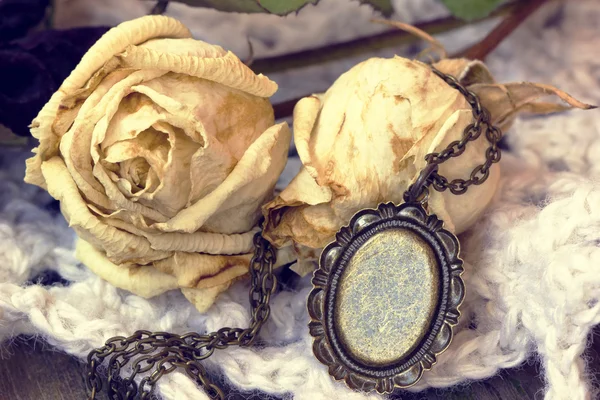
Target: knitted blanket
532, 262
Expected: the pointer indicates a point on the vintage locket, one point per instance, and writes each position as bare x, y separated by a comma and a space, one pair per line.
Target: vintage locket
385, 297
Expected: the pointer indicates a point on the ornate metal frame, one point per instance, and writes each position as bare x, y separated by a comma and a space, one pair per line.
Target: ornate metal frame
329, 348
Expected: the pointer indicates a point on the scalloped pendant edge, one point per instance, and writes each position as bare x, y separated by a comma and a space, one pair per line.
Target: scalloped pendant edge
327, 346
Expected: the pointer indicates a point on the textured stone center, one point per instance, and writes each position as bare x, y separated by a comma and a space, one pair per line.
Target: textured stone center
387, 297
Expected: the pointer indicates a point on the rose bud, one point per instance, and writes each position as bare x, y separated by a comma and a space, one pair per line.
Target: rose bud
364, 141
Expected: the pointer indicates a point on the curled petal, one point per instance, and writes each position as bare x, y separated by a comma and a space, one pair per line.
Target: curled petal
294, 213
468, 72
203, 298
306, 113
194, 270
120, 246
505, 101
143, 280
222, 67
114, 41
250, 182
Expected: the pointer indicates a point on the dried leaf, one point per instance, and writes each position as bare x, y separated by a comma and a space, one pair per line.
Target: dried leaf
285, 7
505, 101
385, 7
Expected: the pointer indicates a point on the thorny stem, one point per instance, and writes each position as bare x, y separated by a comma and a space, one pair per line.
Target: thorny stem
516, 15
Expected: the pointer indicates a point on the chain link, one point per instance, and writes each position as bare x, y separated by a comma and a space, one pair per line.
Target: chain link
156, 354
482, 121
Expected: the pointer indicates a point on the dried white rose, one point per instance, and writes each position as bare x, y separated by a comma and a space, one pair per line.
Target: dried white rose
365, 140
161, 150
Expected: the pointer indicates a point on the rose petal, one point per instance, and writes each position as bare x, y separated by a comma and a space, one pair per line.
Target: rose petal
221, 67
287, 215
230, 208
145, 281
202, 299
197, 242
194, 270
113, 42
468, 72
306, 113
120, 246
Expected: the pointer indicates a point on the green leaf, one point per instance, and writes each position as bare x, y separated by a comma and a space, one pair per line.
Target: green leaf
279, 7
471, 9
283, 7
383, 6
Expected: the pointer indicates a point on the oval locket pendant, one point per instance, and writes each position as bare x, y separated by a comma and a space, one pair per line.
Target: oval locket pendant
386, 297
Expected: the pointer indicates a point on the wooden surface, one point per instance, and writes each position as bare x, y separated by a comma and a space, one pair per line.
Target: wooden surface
32, 370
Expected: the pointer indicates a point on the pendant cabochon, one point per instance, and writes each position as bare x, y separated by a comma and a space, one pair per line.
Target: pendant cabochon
385, 297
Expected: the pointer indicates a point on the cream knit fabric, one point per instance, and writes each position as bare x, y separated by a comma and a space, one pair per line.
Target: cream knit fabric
532, 263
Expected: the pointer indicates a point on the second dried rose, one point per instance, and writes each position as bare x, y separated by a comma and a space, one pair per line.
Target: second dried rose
365, 140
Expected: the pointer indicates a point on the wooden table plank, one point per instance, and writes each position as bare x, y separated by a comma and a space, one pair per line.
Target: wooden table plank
33, 370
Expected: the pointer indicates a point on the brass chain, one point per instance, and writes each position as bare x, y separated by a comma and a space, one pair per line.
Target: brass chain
159, 353
472, 132
482, 121
155, 354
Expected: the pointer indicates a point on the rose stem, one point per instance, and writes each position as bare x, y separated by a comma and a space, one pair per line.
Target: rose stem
480, 50
391, 38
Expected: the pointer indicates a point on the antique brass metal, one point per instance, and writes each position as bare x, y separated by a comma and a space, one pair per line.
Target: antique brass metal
385, 297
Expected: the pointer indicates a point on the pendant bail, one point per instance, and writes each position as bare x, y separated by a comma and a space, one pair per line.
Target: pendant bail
418, 192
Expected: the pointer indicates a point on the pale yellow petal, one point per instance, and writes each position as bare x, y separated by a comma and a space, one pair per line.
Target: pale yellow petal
281, 222
143, 280
114, 41
195, 270
234, 205
306, 112
203, 298
120, 246
468, 72
226, 68
205, 109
